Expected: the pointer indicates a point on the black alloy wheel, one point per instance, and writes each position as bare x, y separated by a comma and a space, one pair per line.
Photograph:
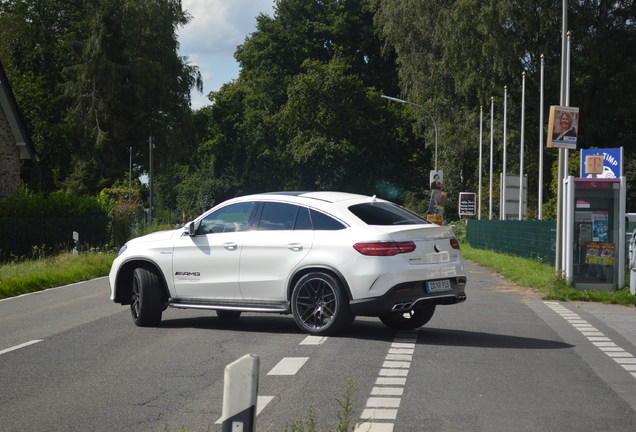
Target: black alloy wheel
319, 304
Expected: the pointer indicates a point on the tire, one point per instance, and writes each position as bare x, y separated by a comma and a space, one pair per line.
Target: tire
319, 304
147, 301
228, 315
408, 320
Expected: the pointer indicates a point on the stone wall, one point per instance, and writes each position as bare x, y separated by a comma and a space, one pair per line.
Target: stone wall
9, 159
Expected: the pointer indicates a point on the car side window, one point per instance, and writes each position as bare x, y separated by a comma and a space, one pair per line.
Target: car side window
322, 222
277, 216
303, 221
231, 218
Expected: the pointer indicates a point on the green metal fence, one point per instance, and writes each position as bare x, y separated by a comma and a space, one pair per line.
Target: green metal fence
530, 239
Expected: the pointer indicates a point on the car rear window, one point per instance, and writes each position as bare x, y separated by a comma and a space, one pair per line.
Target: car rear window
385, 213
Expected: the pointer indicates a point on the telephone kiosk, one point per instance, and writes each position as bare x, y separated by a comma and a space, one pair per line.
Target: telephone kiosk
594, 233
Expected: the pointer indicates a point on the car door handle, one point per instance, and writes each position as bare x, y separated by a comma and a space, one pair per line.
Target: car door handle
230, 246
296, 247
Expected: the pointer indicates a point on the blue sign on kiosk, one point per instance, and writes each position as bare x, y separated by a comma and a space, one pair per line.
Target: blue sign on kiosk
612, 162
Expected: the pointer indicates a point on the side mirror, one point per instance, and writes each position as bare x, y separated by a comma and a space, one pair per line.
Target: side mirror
190, 229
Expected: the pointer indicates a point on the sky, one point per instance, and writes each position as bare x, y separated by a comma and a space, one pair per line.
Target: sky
210, 38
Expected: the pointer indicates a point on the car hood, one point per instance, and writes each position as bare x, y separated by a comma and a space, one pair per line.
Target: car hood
157, 236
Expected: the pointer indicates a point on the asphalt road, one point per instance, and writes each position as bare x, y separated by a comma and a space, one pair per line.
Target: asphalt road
504, 360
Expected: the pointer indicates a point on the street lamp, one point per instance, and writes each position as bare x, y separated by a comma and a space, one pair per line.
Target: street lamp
427, 113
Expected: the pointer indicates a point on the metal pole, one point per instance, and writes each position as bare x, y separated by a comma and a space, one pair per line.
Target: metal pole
130, 173
481, 128
150, 180
502, 205
426, 112
558, 265
492, 111
523, 126
540, 214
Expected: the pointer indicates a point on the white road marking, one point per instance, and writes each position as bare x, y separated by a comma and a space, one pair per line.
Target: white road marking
383, 402
313, 340
374, 427
17, 347
387, 391
288, 366
390, 382
597, 338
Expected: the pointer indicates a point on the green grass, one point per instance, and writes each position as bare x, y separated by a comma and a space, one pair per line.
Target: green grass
37, 274
542, 278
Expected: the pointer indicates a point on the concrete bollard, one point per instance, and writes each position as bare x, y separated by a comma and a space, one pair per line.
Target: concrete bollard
240, 389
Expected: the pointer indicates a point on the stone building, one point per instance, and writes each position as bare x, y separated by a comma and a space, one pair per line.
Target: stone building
15, 143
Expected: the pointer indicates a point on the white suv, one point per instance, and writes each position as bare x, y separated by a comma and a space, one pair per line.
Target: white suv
324, 257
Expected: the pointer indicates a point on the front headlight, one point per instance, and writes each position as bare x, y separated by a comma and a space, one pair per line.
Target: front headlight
122, 250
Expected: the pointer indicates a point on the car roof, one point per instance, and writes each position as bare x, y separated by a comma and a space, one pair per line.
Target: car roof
327, 196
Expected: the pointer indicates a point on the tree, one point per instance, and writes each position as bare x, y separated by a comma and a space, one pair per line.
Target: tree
94, 79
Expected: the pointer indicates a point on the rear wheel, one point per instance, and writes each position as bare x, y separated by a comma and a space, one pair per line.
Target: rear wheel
147, 298
408, 320
229, 315
319, 304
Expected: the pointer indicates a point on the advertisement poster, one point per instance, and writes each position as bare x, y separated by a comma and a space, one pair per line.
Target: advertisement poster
600, 232
563, 127
436, 219
437, 203
436, 179
603, 253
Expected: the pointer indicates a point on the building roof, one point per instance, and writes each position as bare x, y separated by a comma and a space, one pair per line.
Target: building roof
15, 118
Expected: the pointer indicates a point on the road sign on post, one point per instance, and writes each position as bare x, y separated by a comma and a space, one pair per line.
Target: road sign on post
467, 203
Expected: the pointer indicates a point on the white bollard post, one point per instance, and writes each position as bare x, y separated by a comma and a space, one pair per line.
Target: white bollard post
240, 389
75, 241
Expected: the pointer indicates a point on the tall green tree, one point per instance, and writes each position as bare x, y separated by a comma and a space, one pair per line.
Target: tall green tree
453, 55
96, 78
306, 112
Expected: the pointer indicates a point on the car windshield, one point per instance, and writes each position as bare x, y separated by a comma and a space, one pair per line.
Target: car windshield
385, 213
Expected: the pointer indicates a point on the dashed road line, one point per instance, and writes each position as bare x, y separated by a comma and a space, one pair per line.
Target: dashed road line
17, 347
382, 406
596, 337
288, 366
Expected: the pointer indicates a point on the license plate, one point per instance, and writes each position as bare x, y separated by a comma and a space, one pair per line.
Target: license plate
437, 286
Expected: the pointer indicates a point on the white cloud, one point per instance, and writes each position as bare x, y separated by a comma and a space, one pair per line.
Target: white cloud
212, 35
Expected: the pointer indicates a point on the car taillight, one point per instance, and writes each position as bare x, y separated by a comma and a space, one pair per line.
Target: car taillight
384, 248
454, 243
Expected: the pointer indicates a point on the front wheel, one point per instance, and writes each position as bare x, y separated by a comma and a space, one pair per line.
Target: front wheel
147, 302
408, 320
319, 304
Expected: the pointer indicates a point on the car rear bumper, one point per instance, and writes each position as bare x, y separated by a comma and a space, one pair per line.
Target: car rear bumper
408, 296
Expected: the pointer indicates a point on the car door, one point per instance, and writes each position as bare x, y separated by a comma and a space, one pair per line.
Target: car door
206, 264
283, 237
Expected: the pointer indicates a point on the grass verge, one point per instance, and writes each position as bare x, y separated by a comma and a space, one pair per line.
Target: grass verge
541, 277
38, 274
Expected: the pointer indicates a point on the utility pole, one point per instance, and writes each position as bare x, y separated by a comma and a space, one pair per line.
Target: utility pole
151, 201
558, 265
